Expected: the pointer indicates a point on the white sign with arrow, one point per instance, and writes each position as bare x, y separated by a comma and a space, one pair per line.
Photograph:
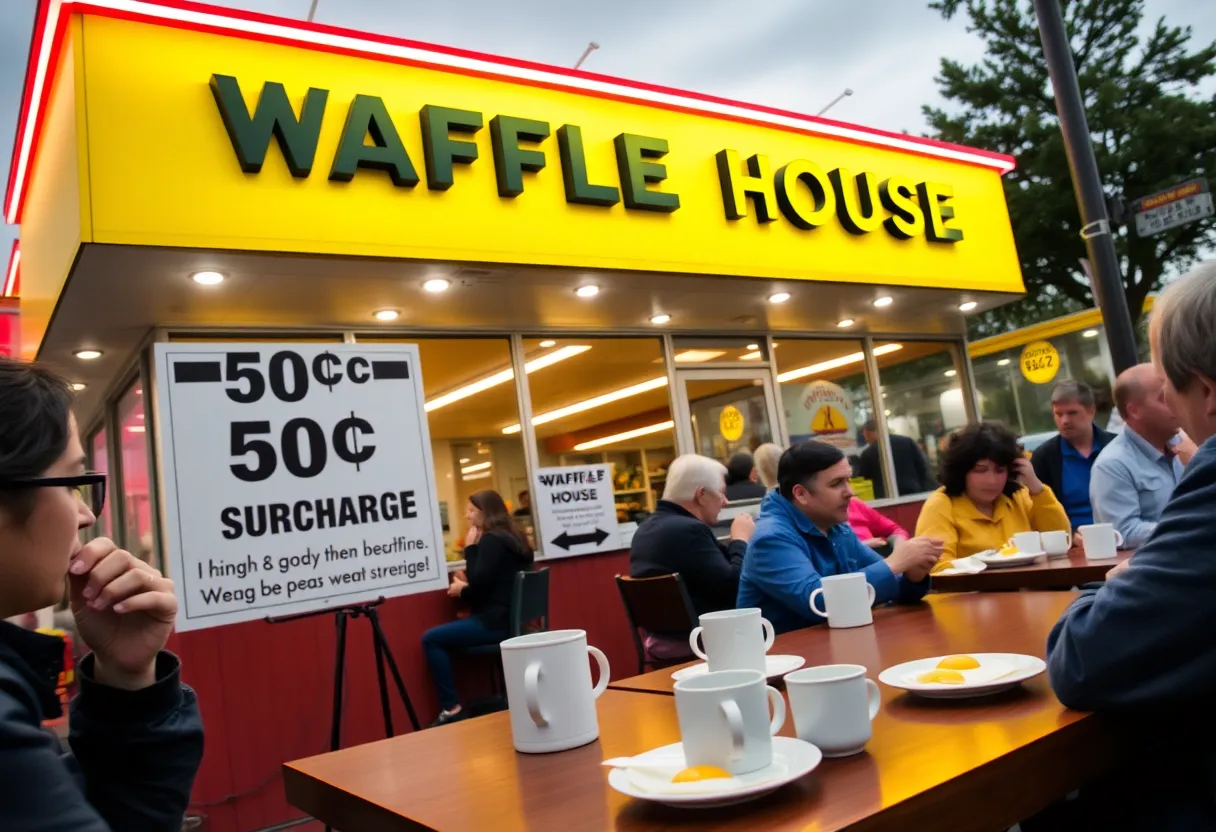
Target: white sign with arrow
575, 510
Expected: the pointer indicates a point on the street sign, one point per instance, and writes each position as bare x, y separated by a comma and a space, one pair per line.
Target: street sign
576, 510
296, 478
1182, 204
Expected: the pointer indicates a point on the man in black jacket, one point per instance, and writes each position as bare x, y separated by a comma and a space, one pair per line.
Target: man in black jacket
912, 475
679, 536
1064, 462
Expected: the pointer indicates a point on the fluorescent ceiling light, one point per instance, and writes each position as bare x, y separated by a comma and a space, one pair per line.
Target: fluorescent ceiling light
464, 460
1004, 362
832, 364
753, 346
480, 466
621, 437
591, 404
1090, 333
697, 356
751, 356
484, 475
951, 373
503, 376
135, 428
885, 300
436, 285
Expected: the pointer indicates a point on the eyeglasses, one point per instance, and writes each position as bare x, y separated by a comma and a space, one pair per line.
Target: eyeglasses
89, 487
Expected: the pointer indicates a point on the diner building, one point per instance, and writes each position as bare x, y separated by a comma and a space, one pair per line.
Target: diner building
592, 269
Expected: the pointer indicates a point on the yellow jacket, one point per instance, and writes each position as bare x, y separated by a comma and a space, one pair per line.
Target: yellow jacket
966, 530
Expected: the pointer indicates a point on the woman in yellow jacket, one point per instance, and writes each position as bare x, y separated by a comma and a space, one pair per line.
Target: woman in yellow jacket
990, 492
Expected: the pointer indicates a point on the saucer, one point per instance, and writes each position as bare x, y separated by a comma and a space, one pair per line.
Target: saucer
792, 758
774, 667
997, 561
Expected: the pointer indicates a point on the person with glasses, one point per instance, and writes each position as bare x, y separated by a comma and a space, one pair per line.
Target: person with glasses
136, 738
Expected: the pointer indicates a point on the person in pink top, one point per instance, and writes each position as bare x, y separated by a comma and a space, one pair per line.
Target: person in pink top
873, 529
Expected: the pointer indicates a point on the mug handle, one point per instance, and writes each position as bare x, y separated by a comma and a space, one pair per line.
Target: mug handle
602, 661
734, 723
778, 701
870, 591
769, 634
821, 613
532, 694
1068, 537
692, 642
1118, 537
874, 696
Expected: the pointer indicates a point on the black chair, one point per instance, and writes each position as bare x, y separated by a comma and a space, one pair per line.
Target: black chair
529, 614
656, 605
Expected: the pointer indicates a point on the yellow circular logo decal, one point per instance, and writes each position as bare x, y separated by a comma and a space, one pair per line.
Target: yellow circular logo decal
730, 423
1040, 362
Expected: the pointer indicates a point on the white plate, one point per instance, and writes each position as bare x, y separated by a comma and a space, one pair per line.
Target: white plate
974, 566
1023, 668
997, 560
792, 758
774, 667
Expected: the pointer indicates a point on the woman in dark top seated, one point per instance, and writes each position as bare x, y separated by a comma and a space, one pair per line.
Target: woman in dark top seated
494, 550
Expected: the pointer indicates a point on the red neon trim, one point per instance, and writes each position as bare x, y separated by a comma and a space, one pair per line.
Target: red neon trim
36, 39
70, 7
13, 270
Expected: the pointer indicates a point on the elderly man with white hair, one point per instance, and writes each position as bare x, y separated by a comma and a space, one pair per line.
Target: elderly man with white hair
679, 536
1142, 648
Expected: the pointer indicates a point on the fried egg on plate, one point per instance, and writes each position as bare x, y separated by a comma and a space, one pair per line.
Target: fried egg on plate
955, 671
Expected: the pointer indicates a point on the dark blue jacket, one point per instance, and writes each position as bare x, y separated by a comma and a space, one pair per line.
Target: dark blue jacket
787, 556
133, 754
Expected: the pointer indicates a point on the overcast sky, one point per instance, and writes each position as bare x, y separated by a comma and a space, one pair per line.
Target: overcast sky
794, 54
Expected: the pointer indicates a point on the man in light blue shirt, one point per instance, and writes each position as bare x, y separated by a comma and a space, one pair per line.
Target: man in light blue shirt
1135, 476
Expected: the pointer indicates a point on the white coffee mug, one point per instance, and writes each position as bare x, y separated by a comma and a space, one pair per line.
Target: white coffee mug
1028, 543
1056, 544
734, 639
549, 693
847, 600
1101, 541
833, 707
724, 720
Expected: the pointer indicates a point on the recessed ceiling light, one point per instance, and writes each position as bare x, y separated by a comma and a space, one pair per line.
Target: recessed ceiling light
437, 284
1090, 333
88, 355
464, 460
885, 300
544, 345
78, 386
588, 291
207, 278
660, 319
778, 297
386, 314
886, 413
1004, 362
753, 347
951, 373
968, 306
844, 324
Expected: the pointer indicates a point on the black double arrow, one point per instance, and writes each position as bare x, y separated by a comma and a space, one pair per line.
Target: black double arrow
565, 540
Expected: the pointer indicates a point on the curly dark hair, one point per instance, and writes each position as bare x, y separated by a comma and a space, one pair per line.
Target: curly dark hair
968, 446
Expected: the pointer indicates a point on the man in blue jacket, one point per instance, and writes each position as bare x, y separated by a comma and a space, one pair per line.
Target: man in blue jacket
1143, 646
803, 534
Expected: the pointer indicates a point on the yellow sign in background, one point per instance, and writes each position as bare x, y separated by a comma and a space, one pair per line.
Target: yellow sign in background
162, 171
1040, 362
730, 423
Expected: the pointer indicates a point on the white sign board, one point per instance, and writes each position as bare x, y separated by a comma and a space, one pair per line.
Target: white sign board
296, 478
823, 411
575, 510
1185, 203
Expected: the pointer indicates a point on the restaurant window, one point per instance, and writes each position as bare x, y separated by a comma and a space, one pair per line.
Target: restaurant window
136, 498
604, 401
825, 396
1007, 395
922, 401
99, 455
470, 397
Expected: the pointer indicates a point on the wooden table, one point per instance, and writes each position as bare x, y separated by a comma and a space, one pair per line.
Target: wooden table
1053, 573
966, 765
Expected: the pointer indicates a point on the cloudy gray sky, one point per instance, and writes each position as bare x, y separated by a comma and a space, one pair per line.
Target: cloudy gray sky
794, 54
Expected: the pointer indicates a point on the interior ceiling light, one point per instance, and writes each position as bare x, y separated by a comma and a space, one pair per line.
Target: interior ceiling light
78, 386
88, 355
951, 373
135, 428
845, 323
1004, 362
968, 306
207, 278
588, 291
621, 437
698, 356
482, 450
544, 345
387, 314
751, 356
884, 301
464, 460
660, 319
437, 284
753, 346
591, 404
832, 364
778, 297
1090, 333
503, 376
484, 475
479, 466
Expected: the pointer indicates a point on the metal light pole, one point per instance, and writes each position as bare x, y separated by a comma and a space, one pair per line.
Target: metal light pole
312, 11
591, 47
1107, 281
835, 101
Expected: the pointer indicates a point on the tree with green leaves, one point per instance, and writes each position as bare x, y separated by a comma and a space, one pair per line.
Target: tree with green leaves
1150, 127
